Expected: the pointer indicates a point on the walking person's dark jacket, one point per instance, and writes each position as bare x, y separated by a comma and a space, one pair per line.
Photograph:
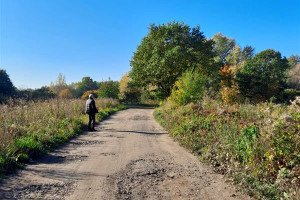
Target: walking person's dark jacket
90, 106
91, 110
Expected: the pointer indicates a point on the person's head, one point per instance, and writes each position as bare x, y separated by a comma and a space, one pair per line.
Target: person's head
91, 96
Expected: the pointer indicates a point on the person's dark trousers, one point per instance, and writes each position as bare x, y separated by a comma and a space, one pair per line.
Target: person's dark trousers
91, 122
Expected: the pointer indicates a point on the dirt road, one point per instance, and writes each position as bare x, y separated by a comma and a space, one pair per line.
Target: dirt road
129, 157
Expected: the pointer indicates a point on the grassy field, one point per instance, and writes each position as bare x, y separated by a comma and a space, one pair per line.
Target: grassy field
29, 129
257, 146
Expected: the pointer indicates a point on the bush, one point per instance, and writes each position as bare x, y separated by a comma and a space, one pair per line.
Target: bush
87, 93
29, 146
66, 93
189, 88
288, 95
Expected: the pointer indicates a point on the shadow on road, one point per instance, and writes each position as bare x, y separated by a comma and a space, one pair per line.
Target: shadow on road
138, 132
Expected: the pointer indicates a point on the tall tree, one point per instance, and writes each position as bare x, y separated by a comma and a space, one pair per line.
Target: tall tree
166, 52
6, 86
222, 47
264, 76
86, 84
59, 85
248, 52
235, 56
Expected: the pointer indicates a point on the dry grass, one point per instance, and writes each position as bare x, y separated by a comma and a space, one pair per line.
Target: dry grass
29, 127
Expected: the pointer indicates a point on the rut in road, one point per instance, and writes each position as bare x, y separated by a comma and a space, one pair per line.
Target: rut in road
129, 157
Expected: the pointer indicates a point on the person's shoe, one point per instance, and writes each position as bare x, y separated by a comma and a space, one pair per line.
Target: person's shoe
90, 130
94, 129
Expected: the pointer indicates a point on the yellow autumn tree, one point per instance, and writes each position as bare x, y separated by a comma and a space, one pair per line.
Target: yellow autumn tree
66, 93
123, 87
229, 89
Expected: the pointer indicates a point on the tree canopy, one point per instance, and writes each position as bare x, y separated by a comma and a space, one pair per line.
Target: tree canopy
222, 47
226, 51
109, 89
166, 52
264, 76
6, 86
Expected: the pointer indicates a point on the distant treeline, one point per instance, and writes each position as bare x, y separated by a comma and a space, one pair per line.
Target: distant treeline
81, 89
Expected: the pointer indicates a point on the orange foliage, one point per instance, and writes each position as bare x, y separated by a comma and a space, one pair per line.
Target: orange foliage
87, 93
229, 89
66, 93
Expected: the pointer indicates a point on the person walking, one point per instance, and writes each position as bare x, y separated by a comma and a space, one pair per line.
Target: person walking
91, 110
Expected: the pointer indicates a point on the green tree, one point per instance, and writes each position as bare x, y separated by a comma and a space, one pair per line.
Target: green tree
109, 89
6, 86
294, 60
235, 56
86, 84
166, 52
264, 76
222, 47
42, 93
248, 52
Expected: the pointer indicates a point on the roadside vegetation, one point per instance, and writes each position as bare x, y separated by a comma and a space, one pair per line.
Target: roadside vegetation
236, 109
257, 146
31, 128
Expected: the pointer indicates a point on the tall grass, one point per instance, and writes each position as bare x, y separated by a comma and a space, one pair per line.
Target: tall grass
30, 128
257, 145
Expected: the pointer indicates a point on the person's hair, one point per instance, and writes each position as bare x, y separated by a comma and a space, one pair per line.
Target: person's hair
91, 96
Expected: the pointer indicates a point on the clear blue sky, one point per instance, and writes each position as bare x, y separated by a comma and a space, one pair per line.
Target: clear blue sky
41, 38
